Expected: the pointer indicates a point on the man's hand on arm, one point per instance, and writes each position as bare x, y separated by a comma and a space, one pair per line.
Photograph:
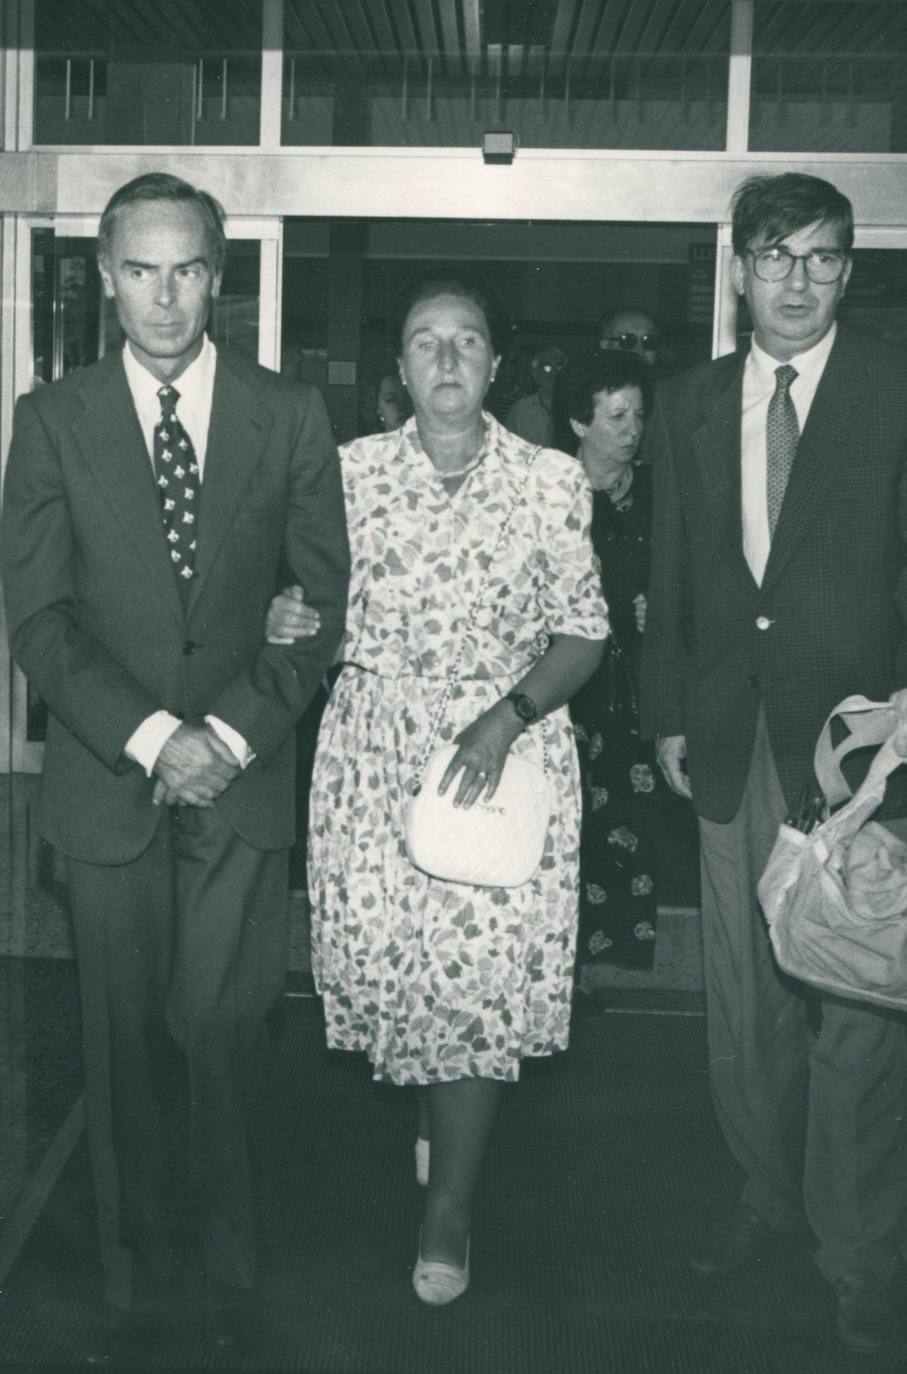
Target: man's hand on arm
194, 767
671, 753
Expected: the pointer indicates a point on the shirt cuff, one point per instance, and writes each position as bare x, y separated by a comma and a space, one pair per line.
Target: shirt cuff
145, 743
232, 739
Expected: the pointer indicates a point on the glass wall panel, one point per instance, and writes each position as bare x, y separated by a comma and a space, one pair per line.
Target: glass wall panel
876, 296
141, 72
829, 76
557, 73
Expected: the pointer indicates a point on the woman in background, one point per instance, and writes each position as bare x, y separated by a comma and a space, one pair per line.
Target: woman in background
603, 401
392, 404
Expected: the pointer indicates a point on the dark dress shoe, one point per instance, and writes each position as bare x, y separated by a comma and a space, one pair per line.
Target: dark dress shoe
731, 1243
227, 1316
123, 1337
867, 1319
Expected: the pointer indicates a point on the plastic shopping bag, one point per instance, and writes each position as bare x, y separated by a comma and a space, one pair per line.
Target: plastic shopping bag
836, 899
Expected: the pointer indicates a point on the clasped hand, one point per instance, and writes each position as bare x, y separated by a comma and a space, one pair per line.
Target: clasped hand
482, 753
193, 768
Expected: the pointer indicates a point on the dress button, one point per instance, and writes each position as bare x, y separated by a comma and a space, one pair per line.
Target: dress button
762, 622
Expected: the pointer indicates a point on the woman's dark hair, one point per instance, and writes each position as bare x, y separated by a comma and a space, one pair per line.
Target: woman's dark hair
162, 186
371, 417
767, 209
610, 369
449, 281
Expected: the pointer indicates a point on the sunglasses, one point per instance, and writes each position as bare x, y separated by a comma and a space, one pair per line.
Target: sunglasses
629, 341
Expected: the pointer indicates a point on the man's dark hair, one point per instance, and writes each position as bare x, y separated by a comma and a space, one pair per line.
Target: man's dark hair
767, 209
449, 281
162, 186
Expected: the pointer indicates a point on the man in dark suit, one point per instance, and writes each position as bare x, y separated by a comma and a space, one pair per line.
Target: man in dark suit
153, 503
778, 588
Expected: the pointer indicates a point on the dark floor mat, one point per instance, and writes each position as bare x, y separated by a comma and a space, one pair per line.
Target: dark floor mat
605, 1169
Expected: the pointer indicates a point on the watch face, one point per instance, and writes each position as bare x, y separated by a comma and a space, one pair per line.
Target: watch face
524, 707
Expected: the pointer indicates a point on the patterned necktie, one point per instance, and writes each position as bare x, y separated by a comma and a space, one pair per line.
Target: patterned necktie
176, 473
782, 433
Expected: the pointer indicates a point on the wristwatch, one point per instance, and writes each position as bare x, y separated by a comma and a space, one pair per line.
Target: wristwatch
525, 708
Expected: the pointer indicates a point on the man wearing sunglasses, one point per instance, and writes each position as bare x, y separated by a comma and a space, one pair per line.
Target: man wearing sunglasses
778, 588
633, 330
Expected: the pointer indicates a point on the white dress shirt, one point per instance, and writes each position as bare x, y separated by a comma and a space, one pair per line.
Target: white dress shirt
196, 391
759, 383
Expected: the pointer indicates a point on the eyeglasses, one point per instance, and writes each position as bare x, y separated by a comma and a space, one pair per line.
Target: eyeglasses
823, 265
629, 341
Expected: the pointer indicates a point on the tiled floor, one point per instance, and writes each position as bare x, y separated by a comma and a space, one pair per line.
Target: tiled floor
605, 1167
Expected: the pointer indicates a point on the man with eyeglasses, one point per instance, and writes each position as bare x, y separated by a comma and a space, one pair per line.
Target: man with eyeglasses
632, 330
778, 588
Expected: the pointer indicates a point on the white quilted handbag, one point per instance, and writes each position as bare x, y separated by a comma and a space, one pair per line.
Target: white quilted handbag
493, 843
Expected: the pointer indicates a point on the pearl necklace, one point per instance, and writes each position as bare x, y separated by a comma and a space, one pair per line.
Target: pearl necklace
458, 472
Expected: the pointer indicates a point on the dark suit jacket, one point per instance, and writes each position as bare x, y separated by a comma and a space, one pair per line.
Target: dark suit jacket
95, 616
829, 618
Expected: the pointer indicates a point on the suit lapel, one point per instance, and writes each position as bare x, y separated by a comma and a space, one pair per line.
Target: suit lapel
827, 440
109, 434
239, 429
716, 444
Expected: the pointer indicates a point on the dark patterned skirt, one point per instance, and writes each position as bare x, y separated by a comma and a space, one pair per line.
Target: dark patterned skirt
617, 839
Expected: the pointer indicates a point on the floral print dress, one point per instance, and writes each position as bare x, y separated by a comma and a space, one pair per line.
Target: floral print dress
620, 779
438, 981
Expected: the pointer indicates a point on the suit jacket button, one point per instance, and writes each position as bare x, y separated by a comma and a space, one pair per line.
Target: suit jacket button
190, 646
753, 680
762, 622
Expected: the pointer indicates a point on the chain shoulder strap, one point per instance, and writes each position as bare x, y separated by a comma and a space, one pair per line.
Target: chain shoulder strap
454, 673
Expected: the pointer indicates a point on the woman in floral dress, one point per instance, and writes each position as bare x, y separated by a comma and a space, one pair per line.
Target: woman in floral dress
444, 985
605, 400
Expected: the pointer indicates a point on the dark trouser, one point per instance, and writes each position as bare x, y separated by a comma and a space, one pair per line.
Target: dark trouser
181, 953
816, 1121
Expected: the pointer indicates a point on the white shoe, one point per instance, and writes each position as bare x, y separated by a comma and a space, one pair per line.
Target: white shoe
438, 1283
423, 1152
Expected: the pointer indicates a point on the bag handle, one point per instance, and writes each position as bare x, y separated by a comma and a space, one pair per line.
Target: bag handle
844, 824
471, 620
869, 723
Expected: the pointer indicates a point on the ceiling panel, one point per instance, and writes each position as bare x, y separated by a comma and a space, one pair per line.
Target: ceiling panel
474, 32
